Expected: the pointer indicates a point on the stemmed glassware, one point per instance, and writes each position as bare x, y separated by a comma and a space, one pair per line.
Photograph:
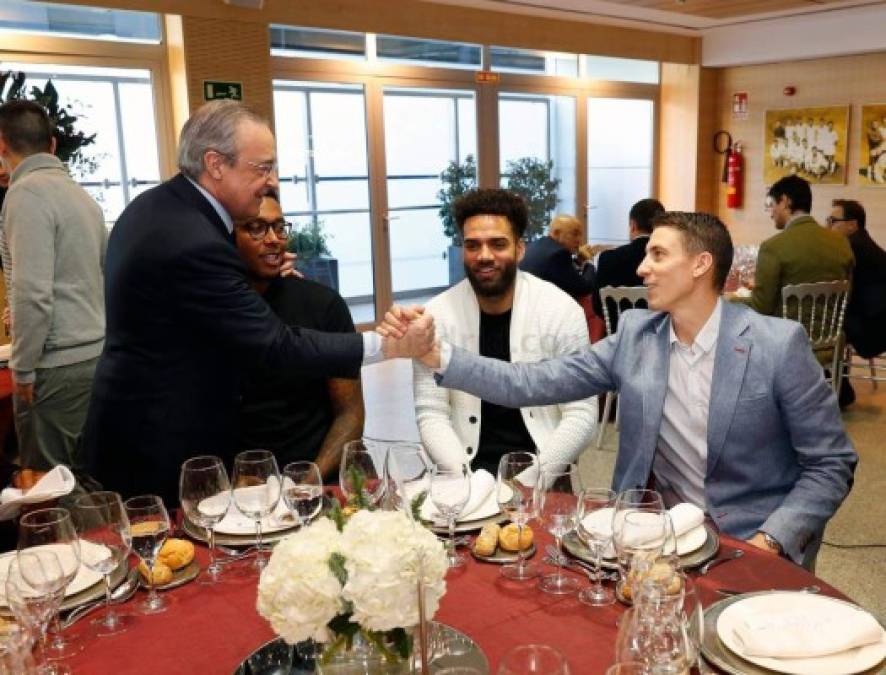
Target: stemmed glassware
257, 488
35, 605
408, 475
450, 492
556, 500
52, 531
149, 528
514, 487
358, 463
638, 529
205, 494
533, 660
101, 519
303, 491
15, 650
594, 528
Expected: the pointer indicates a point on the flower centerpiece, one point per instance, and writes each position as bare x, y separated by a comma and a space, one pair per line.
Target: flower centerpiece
338, 578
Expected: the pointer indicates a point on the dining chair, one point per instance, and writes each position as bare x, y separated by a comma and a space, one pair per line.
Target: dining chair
875, 365
615, 300
820, 307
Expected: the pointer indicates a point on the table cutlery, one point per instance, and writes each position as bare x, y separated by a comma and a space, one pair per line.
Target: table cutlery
233, 555
806, 589
119, 595
554, 557
704, 569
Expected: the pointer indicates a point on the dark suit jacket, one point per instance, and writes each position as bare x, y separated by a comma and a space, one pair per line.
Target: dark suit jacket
618, 267
548, 260
866, 313
182, 326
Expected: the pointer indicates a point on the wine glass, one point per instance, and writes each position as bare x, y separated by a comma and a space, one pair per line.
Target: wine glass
15, 650
148, 528
556, 500
34, 608
628, 668
594, 528
514, 487
256, 491
628, 501
205, 494
408, 474
101, 520
52, 530
361, 481
450, 492
533, 660
303, 490
639, 538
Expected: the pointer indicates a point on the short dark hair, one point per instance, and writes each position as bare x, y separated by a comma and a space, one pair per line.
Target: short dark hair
493, 202
643, 213
26, 127
702, 232
794, 188
852, 210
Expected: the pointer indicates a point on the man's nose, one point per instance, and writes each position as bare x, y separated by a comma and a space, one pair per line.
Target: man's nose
485, 253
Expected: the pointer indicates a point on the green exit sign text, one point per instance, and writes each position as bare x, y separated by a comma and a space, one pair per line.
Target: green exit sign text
213, 90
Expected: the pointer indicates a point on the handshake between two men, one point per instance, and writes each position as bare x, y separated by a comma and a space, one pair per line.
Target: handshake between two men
408, 332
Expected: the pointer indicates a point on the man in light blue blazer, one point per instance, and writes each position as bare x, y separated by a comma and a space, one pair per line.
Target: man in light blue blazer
721, 406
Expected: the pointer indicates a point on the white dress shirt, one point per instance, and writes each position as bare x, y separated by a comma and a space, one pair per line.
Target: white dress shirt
681, 459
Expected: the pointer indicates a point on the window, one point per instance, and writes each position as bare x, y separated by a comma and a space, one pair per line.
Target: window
117, 105
83, 22
622, 70
428, 52
506, 59
329, 44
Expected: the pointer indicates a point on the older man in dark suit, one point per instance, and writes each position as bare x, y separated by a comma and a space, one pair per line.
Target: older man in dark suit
183, 322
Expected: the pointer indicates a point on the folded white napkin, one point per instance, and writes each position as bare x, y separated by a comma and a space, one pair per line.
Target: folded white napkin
743, 292
482, 486
5, 352
56, 483
803, 633
685, 518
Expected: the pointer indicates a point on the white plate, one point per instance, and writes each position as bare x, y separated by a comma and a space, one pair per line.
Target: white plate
235, 522
84, 578
487, 509
844, 663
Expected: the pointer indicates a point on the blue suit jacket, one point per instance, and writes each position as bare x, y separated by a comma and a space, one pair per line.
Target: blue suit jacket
778, 460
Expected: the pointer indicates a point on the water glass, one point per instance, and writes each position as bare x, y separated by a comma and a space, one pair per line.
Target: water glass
628, 668
205, 494
533, 660
514, 490
101, 520
257, 488
450, 492
35, 606
595, 531
408, 477
361, 480
556, 500
148, 528
303, 491
15, 651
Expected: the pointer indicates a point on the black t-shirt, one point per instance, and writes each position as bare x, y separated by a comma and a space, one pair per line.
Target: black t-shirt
288, 413
501, 429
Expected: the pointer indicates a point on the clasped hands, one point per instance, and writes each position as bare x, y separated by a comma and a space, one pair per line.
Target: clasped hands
408, 332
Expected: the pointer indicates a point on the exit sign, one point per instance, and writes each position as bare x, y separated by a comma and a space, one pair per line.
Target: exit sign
214, 90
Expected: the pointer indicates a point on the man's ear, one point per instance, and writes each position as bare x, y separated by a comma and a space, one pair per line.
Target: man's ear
704, 262
53, 144
521, 249
213, 160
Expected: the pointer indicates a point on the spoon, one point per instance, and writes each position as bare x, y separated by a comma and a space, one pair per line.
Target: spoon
122, 593
735, 555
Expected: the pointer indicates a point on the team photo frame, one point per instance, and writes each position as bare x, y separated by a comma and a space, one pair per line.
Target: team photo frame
809, 142
872, 145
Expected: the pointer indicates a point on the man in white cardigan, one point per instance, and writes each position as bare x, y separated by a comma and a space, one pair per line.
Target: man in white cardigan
500, 312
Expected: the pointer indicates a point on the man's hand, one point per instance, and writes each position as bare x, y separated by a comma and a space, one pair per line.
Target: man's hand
25, 391
432, 358
25, 479
406, 333
287, 269
587, 251
760, 542
397, 320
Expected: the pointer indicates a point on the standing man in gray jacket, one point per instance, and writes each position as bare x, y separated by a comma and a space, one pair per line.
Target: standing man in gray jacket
53, 240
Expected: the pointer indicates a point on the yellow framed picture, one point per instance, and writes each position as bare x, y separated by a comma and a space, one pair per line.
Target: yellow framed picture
872, 145
808, 142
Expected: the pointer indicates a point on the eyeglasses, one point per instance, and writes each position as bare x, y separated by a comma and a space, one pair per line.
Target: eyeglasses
264, 169
258, 228
830, 220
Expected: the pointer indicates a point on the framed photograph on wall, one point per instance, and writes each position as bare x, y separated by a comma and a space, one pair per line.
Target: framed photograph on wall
872, 145
808, 142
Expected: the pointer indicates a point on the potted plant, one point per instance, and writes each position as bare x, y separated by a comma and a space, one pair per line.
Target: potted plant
457, 179
315, 261
532, 179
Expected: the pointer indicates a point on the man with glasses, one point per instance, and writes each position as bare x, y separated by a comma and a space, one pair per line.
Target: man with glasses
297, 417
183, 324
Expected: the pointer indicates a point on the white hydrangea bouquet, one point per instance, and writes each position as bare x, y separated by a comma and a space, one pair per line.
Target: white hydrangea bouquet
334, 579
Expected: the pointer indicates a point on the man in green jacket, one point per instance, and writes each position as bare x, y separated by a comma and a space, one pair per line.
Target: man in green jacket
803, 252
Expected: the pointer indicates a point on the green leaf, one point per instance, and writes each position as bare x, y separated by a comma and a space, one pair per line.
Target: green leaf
401, 640
337, 565
336, 515
416, 504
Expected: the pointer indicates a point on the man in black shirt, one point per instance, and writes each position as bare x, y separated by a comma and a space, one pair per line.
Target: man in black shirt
299, 418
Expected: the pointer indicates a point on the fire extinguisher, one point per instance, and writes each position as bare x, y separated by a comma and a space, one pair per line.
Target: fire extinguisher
734, 170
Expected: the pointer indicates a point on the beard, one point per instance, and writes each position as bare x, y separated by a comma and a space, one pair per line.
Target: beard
497, 285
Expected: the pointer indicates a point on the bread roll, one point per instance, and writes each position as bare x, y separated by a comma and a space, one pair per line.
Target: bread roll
507, 538
162, 574
661, 572
487, 540
176, 553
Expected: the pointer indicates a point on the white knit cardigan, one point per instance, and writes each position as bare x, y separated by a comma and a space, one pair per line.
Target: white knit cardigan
545, 322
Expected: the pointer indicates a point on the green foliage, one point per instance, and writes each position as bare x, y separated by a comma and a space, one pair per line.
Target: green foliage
415, 506
337, 515
532, 179
337, 566
69, 141
457, 179
309, 241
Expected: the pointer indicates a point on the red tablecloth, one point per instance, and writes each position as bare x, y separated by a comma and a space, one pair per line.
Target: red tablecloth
210, 630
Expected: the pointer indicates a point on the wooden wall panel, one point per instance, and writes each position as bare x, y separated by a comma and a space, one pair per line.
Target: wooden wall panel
678, 134
852, 80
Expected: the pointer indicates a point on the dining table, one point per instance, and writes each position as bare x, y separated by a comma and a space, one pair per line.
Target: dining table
211, 629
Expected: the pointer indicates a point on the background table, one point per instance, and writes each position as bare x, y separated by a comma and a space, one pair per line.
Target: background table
211, 629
